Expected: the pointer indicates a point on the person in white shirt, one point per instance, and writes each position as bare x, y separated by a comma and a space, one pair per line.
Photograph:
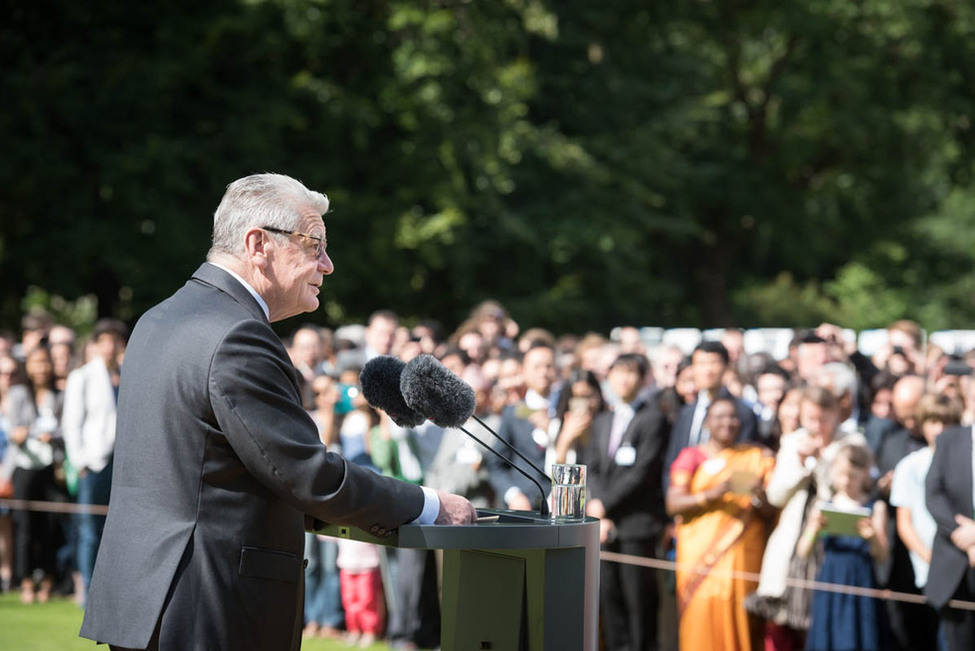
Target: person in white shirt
915, 524
88, 427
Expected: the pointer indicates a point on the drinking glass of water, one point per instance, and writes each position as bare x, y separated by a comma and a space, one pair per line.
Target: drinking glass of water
569, 492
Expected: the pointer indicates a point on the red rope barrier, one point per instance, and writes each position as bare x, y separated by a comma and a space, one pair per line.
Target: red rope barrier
877, 593
613, 557
54, 507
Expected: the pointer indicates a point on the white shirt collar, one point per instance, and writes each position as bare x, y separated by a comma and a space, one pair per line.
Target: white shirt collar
535, 400
253, 292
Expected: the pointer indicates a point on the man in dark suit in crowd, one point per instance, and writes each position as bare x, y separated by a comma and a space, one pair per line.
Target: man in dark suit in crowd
526, 426
948, 492
625, 459
709, 361
218, 468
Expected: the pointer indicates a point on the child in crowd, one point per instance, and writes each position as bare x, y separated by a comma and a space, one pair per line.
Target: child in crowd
916, 527
362, 591
842, 620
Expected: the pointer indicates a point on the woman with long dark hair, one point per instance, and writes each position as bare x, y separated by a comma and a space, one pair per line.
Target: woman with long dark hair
579, 401
33, 415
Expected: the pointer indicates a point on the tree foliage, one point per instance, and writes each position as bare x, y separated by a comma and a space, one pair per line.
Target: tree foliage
587, 164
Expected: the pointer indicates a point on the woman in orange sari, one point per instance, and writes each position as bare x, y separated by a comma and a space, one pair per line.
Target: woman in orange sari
716, 496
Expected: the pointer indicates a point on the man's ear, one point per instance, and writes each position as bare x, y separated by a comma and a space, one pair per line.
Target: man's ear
256, 246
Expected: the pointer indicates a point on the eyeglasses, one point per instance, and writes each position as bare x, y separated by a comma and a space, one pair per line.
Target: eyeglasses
320, 242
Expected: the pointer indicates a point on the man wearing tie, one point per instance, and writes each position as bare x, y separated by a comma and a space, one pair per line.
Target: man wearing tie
709, 361
528, 426
218, 468
625, 460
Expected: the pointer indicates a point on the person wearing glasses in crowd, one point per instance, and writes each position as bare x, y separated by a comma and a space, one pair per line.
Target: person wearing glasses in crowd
218, 468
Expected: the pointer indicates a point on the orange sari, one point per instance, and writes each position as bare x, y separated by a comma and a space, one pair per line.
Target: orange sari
728, 536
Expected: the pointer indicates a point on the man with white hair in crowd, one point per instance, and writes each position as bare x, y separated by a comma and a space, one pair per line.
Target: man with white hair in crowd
841, 380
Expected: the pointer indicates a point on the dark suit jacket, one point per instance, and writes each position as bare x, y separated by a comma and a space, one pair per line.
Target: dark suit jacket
876, 432
895, 445
680, 434
518, 432
948, 491
216, 467
630, 492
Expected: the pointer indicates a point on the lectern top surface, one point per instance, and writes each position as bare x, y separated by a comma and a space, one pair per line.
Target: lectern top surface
508, 530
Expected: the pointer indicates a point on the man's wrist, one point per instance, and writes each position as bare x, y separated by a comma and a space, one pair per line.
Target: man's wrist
431, 507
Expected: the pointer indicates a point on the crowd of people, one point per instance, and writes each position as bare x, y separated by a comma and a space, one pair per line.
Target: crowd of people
756, 474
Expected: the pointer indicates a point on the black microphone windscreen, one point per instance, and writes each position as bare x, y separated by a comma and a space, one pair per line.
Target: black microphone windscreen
430, 389
380, 381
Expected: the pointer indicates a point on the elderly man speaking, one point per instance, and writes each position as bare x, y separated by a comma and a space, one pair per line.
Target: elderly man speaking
217, 466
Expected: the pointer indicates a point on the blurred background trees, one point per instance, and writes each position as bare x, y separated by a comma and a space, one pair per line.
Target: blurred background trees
587, 164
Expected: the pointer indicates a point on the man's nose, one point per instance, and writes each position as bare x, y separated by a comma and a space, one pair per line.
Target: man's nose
325, 264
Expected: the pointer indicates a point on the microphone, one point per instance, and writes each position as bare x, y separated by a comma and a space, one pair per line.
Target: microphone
380, 380
431, 389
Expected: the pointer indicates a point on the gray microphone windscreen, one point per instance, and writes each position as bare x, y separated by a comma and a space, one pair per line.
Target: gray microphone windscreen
380, 381
430, 389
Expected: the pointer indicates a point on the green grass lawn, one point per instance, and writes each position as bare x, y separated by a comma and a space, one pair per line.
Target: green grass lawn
54, 627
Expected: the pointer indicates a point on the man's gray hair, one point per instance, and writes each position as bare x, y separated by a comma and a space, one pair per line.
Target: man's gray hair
260, 200
840, 377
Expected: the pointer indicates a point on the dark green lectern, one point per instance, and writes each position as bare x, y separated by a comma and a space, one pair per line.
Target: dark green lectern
522, 582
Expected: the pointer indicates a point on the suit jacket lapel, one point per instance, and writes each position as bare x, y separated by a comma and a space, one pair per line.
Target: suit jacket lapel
965, 469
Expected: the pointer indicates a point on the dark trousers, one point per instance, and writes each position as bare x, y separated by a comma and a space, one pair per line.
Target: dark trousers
94, 488
959, 625
913, 627
36, 533
628, 599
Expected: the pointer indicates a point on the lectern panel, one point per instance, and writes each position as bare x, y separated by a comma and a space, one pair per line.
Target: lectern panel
485, 608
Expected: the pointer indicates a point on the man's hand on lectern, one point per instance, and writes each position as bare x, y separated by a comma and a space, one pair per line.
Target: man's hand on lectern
455, 509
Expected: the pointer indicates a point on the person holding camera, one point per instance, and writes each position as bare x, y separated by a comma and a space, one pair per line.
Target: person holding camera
580, 401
